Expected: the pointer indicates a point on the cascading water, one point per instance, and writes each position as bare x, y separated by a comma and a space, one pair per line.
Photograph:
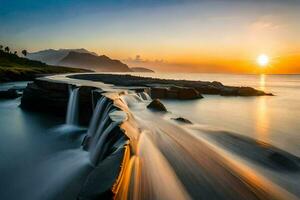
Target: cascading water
98, 151
96, 116
101, 129
145, 96
72, 110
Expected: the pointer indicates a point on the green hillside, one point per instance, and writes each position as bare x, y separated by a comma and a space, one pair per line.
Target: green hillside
15, 68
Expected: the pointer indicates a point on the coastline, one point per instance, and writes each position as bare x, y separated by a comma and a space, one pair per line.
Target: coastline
129, 127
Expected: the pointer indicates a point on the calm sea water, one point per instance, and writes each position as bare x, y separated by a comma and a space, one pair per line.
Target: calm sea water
273, 119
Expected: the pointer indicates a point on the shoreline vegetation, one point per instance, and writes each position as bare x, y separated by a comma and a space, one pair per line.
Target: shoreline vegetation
15, 68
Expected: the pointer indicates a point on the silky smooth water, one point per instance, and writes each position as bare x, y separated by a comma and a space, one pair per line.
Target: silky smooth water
272, 119
39, 158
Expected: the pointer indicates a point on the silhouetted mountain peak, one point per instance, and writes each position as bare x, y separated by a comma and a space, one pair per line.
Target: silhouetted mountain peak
87, 60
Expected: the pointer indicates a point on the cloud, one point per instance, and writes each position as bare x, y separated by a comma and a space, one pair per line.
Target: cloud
138, 60
266, 23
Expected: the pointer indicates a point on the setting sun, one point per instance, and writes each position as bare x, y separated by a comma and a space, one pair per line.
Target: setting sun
263, 60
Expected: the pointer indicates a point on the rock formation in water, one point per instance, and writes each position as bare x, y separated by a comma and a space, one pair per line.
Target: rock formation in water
105, 141
182, 120
173, 89
52, 97
156, 105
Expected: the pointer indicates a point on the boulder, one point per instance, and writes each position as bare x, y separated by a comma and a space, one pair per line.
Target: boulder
157, 106
183, 120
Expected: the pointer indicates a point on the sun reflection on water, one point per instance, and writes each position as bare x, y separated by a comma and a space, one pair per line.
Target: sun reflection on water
262, 82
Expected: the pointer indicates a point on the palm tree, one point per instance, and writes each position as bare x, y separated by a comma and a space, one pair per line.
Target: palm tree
6, 49
24, 52
1, 47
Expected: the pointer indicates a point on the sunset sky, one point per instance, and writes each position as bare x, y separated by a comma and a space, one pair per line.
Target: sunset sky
184, 36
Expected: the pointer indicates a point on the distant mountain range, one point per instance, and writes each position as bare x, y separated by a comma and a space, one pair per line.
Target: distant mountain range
53, 57
80, 58
98, 63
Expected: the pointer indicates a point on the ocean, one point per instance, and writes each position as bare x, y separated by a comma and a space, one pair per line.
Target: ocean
270, 119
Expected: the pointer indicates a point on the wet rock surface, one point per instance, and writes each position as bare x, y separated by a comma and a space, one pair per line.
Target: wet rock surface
52, 97
182, 120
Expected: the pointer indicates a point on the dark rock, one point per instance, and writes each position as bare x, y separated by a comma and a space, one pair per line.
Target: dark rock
85, 104
86, 142
100, 181
52, 97
229, 91
209, 89
189, 93
41, 96
159, 87
283, 161
217, 84
157, 106
175, 92
158, 93
9, 94
243, 91
172, 93
183, 120
248, 91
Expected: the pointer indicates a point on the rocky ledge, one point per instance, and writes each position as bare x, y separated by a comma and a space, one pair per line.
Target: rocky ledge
173, 89
52, 97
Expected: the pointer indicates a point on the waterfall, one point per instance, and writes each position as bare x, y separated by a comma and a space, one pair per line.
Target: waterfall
145, 96
100, 129
96, 116
72, 111
98, 151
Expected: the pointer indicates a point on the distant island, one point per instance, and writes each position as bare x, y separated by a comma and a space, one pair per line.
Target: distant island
141, 69
15, 68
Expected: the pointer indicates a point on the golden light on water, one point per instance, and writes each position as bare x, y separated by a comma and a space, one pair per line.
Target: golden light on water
263, 60
262, 82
